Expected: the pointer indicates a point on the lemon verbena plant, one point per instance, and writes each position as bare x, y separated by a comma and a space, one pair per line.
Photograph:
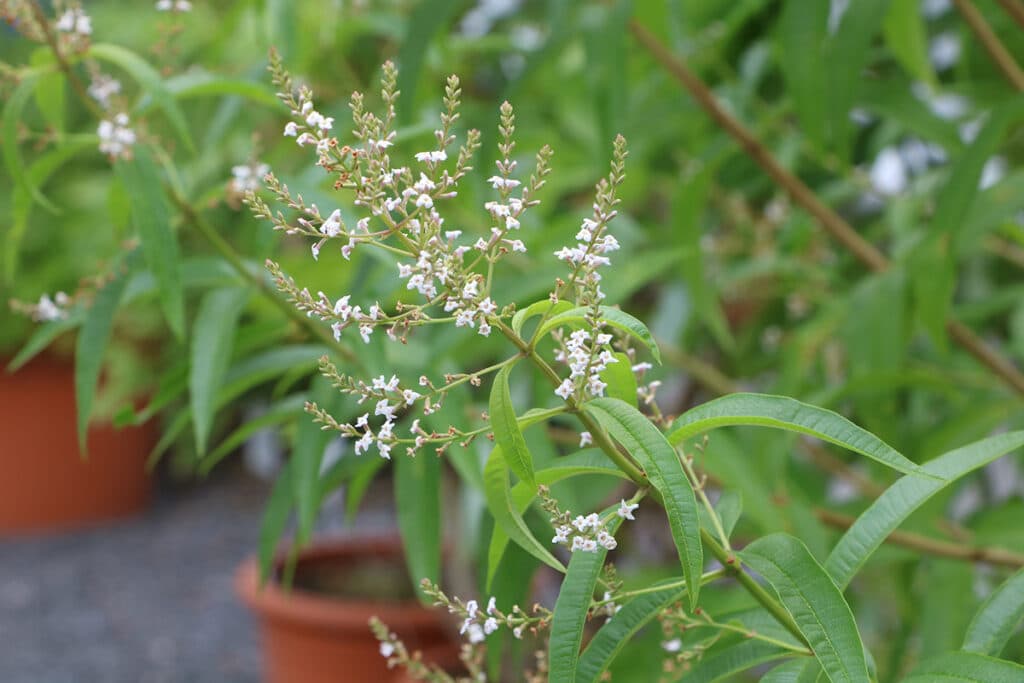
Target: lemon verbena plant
596, 359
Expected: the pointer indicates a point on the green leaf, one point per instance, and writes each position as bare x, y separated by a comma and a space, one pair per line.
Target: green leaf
13, 162
571, 608
907, 38
307, 456
688, 210
275, 519
803, 30
542, 307
506, 515
149, 214
92, 343
507, 433
42, 336
722, 664
780, 412
285, 410
418, 502
728, 508
966, 667
590, 461
426, 20
621, 380
897, 502
789, 672
49, 95
655, 455
997, 618
609, 641
205, 84
149, 79
213, 337
614, 317
815, 602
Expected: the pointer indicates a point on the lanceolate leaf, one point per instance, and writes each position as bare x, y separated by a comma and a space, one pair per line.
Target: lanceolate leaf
722, 665
275, 519
285, 410
815, 602
150, 216
621, 380
966, 667
614, 317
212, 340
418, 500
92, 343
803, 30
13, 109
535, 309
616, 632
506, 516
507, 433
998, 618
780, 412
571, 609
905, 496
906, 35
659, 460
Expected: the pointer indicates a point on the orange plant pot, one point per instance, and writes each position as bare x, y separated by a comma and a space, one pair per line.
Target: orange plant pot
45, 483
316, 638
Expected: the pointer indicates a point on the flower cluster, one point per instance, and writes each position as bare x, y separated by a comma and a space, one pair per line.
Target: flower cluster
585, 533
46, 309
74, 22
247, 177
116, 137
587, 356
479, 623
103, 88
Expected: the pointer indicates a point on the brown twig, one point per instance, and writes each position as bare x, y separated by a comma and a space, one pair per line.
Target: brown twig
833, 223
995, 48
1015, 9
931, 546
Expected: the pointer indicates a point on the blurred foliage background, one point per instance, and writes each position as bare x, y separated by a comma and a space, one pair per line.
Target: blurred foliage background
892, 112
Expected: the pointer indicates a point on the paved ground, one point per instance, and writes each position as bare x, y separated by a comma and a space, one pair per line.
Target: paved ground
143, 601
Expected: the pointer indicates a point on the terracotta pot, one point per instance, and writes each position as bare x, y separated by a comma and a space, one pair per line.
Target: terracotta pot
45, 483
315, 638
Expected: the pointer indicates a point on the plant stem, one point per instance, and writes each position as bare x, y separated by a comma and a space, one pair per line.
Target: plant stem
705, 578
995, 48
603, 441
1015, 9
931, 546
833, 223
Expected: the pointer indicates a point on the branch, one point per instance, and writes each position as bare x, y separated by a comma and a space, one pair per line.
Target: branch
995, 48
833, 223
1015, 9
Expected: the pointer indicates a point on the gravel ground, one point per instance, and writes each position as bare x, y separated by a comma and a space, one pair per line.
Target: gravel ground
148, 600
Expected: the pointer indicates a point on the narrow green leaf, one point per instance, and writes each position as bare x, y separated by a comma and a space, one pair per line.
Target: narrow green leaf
213, 337
307, 457
507, 433
149, 214
541, 307
907, 38
49, 95
285, 410
788, 672
966, 667
275, 519
571, 608
418, 502
42, 336
506, 515
92, 343
13, 162
149, 80
609, 641
648, 446
875, 524
780, 412
425, 21
621, 380
615, 317
205, 84
803, 30
997, 618
723, 664
815, 602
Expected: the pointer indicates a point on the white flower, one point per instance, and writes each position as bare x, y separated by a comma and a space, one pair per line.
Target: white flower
74, 21
586, 439
565, 389
518, 632
305, 139
291, 129
492, 605
104, 87
364, 443
472, 607
517, 245
174, 5
365, 330
386, 649
476, 634
484, 330
487, 306
562, 534
432, 157
673, 645
490, 626
625, 510
606, 540
332, 226
424, 201
116, 137
410, 396
497, 182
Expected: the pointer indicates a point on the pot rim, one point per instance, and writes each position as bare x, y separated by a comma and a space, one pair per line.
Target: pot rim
272, 602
